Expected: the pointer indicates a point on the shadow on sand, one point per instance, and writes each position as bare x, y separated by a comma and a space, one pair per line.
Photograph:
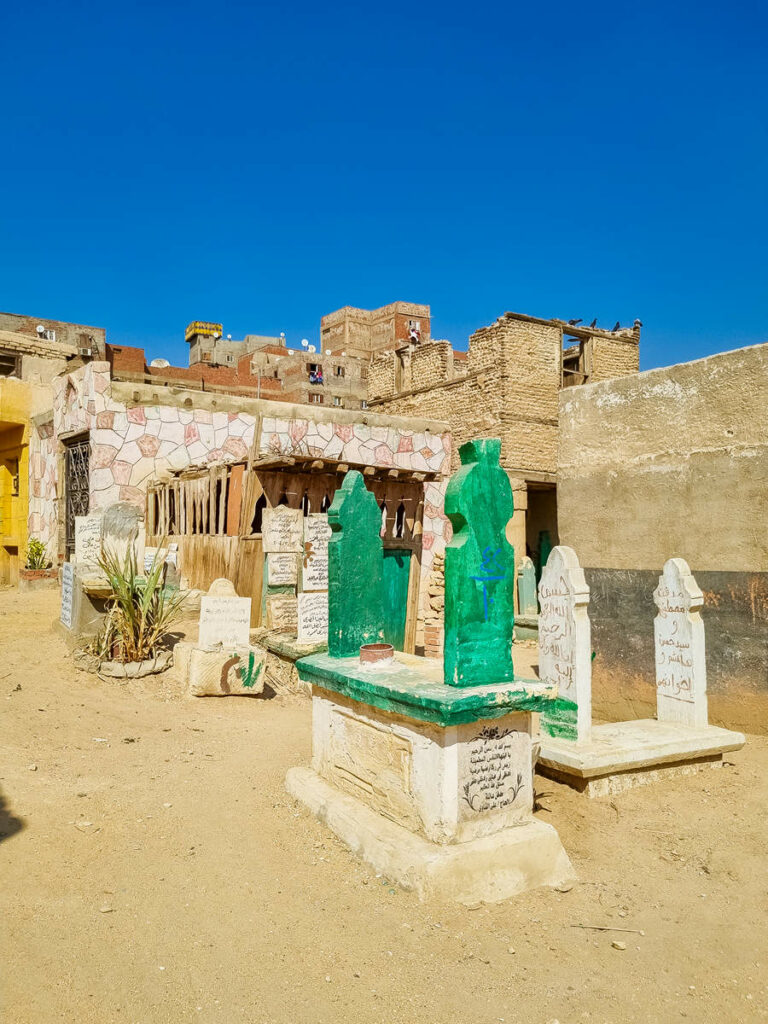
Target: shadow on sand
9, 824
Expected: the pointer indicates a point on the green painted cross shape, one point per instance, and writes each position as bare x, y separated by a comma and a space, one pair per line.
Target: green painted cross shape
355, 607
479, 570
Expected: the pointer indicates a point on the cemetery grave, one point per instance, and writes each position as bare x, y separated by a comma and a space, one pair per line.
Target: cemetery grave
425, 768
607, 758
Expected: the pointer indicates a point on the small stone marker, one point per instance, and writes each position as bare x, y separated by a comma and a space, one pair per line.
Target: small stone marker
526, 588
565, 645
479, 570
222, 587
314, 563
67, 589
678, 629
224, 620
313, 617
282, 529
355, 601
88, 541
149, 559
236, 671
282, 612
282, 569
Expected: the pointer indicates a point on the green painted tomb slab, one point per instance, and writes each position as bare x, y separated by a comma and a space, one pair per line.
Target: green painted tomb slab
413, 687
396, 576
479, 570
355, 606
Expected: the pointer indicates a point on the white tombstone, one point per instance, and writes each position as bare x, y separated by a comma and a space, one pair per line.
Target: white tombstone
313, 617
565, 645
88, 541
67, 590
678, 629
282, 569
282, 529
282, 612
317, 533
224, 620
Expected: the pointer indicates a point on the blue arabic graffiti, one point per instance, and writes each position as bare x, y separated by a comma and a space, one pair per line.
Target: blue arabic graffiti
494, 572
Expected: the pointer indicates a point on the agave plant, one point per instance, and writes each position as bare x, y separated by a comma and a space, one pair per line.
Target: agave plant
141, 612
37, 555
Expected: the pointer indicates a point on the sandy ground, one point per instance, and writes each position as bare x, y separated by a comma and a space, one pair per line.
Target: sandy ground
160, 873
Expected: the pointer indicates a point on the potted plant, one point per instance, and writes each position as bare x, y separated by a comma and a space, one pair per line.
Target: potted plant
133, 641
37, 569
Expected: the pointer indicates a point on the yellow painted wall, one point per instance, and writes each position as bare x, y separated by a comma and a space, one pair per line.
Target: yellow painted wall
16, 397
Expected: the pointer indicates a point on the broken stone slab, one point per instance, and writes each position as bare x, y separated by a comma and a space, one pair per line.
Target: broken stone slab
222, 671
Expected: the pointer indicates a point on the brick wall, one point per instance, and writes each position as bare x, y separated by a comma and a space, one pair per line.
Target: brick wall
614, 358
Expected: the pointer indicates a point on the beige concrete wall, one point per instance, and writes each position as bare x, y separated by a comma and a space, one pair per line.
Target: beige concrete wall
670, 462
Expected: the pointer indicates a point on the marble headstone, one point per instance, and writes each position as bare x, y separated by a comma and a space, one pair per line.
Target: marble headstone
314, 562
88, 541
565, 645
282, 568
224, 620
313, 617
67, 590
526, 588
282, 529
678, 629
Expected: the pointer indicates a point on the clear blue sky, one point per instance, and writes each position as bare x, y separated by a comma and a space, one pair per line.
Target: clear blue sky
261, 165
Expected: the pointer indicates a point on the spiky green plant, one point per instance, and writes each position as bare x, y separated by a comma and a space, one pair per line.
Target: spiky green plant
141, 612
37, 555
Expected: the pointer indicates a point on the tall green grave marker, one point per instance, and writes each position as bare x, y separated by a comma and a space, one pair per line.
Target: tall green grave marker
479, 570
355, 607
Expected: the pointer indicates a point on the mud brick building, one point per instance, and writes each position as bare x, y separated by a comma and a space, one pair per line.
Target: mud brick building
507, 385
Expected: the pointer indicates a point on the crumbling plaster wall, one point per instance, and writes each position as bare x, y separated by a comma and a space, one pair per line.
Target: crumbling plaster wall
673, 462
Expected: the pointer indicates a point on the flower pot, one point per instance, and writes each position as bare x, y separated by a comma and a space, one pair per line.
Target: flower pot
372, 653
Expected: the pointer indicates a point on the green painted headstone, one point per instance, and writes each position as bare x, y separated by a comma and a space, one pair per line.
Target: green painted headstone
545, 550
479, 570
526, 588
355, 606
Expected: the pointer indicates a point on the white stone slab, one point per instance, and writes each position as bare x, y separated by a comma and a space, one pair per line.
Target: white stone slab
313, 617
317, 533
565, 643
282, 612
225, 620
678, 629
67, 592
634, 747
282, 529
282, 569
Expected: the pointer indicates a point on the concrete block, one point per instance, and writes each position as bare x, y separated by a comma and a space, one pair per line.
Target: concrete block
489, 869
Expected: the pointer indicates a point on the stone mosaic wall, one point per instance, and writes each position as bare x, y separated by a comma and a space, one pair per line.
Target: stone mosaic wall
358, 444
130, 445
43, 519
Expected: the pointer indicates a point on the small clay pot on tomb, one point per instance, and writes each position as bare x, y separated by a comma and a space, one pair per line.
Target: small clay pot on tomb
371, 653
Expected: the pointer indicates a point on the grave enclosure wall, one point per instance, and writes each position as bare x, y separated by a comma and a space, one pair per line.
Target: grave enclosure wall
672, 463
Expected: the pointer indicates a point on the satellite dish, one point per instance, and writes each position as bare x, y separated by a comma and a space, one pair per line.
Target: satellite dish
311, 349
304, 342
229, 337
40, 329
160, 363
282, 334
327, 351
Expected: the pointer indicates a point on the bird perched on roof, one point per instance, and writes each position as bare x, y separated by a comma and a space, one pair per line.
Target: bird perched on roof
615, 327
574, 322
594, 323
